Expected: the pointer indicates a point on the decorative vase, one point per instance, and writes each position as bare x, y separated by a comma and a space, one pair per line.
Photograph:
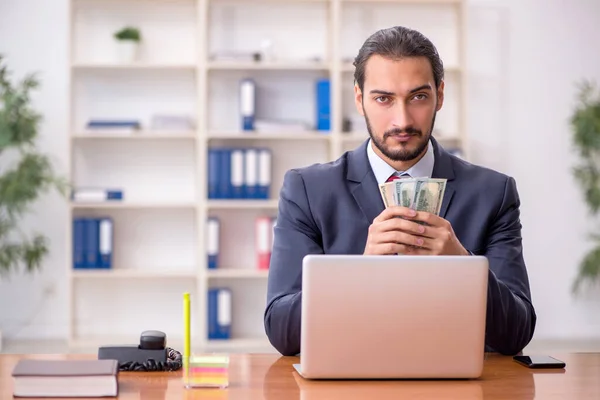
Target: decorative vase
127, 51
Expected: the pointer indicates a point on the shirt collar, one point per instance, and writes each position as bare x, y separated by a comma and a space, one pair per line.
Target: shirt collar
382, 170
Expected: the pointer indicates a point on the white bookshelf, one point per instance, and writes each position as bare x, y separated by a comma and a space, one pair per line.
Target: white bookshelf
159, 250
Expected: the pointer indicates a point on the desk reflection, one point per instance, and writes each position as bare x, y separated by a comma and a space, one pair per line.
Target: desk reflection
394, 389
145, 385
277, 383
500, 378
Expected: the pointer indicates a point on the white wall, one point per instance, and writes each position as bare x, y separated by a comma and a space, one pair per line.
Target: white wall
37, 41
545, 63
544, 48
525, 56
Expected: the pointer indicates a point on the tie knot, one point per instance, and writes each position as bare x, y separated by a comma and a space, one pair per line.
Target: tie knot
394, 177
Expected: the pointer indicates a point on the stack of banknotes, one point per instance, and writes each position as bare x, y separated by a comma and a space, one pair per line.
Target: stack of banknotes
421, 194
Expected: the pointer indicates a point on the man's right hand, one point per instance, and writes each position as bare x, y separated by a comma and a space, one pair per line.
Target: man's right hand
391, 233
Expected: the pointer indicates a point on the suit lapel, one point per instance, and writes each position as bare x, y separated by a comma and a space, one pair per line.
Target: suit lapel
363, 184
366, 194
443, 168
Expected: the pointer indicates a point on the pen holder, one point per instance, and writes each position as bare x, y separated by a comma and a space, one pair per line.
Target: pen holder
206, 371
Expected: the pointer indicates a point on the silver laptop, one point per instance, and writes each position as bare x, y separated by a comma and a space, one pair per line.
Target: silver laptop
393, 317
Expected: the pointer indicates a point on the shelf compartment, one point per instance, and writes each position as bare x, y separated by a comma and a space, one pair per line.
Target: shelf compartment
159, 174
155, 241
168, 30
124, 308
285, 156
286, 96
239, 28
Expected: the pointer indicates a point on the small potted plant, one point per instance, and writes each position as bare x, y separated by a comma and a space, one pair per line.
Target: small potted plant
128, 43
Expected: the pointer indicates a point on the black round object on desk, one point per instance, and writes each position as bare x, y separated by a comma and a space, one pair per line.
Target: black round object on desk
153, 340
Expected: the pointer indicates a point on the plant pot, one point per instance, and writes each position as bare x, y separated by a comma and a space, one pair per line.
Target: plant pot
127, 51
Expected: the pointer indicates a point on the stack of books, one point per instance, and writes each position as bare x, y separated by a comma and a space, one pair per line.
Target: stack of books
65, 378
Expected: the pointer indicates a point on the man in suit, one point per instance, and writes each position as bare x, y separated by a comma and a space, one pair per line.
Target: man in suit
336, 208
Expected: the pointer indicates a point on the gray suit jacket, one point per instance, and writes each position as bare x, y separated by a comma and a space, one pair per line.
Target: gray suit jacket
327, 209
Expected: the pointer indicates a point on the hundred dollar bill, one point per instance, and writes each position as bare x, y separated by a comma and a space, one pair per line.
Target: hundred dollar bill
383, 190
441, 198
389, 192
429, 194
405, 191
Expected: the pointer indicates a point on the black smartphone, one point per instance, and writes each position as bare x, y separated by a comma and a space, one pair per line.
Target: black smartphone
539, 361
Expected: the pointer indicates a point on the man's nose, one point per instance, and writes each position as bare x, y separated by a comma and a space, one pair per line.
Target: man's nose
402, 117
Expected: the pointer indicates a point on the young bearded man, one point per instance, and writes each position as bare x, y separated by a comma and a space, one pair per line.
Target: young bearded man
336, 208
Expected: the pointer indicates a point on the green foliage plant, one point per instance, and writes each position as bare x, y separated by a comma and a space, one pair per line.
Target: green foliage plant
585, 124
25, 174
129, 33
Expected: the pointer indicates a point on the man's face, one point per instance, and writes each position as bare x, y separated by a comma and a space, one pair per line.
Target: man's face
399, 103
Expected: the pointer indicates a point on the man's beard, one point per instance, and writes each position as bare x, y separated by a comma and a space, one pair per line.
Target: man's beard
402, 154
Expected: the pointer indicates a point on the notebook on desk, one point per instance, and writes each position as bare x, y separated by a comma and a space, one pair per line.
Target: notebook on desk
65, 378
393, 317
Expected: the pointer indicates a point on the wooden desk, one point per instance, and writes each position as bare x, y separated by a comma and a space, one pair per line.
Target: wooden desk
258, 376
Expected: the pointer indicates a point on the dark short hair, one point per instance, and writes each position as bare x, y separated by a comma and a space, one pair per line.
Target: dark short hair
396, 43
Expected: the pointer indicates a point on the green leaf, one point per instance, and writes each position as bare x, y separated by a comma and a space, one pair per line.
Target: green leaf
589, 269
34, 252
22, 185
30, 253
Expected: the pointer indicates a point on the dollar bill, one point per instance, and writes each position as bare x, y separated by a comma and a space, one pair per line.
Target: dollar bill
382, 193
441, 197
405, 190
429, 194
388, 195
384, 190
421, 194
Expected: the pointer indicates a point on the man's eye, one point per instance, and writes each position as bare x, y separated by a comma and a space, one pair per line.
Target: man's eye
381, 99
420, 97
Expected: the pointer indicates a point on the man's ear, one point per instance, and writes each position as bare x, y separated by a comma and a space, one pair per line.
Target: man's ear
358, 99
440, 96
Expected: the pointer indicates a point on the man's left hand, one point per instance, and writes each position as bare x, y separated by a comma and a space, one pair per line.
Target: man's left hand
437, 239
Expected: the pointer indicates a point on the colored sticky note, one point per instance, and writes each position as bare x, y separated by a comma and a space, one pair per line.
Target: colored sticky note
208, 371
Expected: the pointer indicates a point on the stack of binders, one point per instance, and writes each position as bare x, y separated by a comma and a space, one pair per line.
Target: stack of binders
92, 243
239, 173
